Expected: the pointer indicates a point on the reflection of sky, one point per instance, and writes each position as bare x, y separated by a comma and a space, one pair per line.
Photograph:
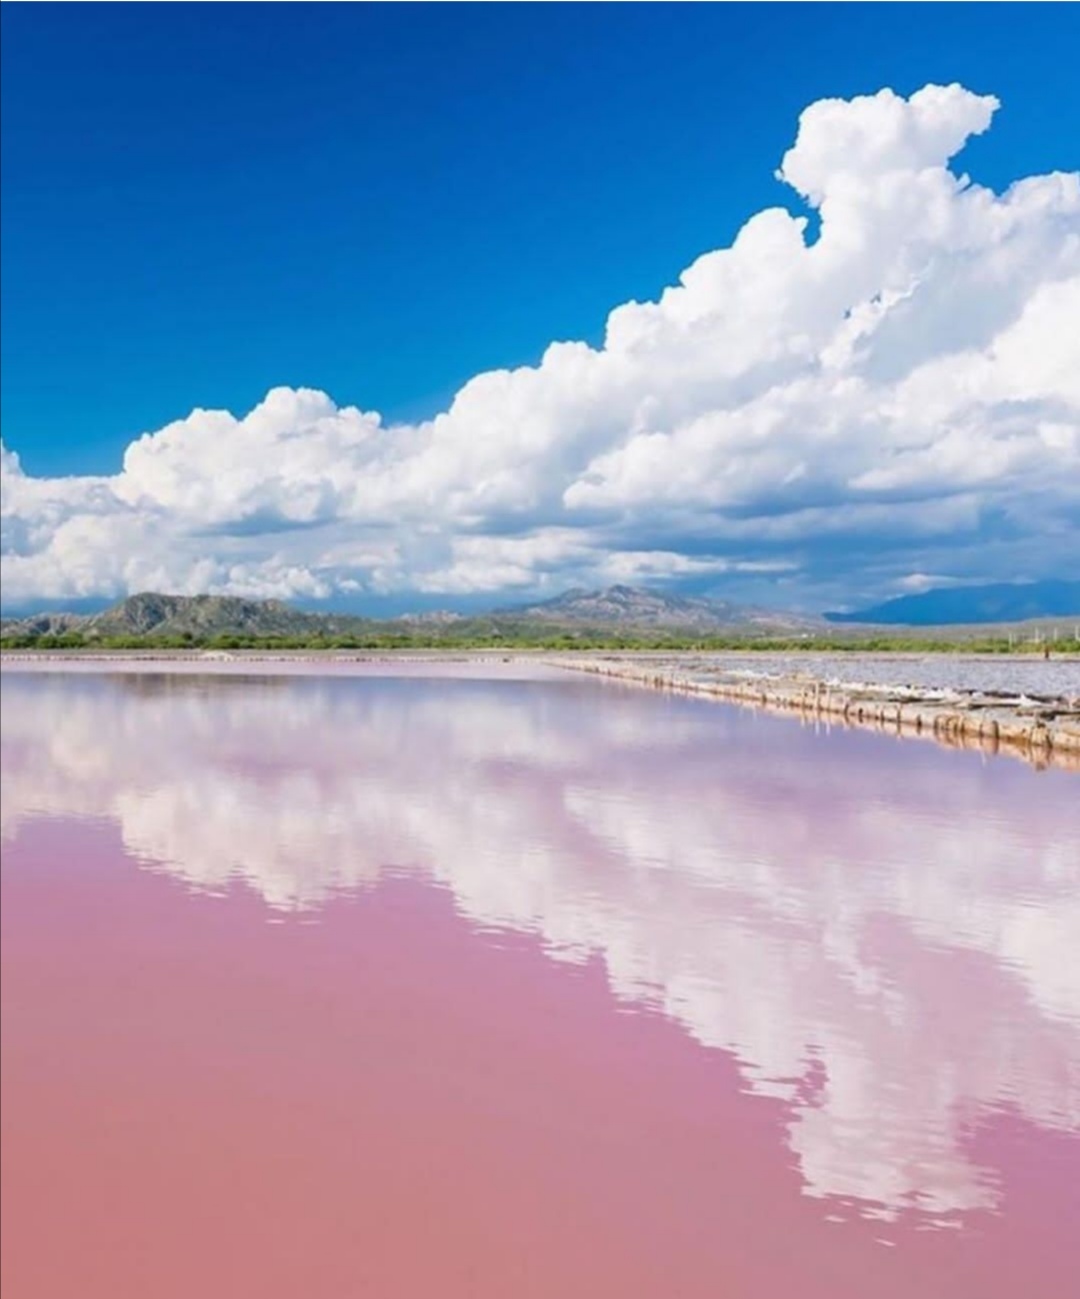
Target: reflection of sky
883, 934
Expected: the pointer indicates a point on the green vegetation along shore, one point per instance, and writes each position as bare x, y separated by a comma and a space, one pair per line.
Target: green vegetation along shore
619, 618
951, 640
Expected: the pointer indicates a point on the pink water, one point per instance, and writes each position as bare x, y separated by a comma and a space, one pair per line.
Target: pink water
465, 987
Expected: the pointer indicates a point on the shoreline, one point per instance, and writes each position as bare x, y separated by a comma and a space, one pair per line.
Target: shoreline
1043, 730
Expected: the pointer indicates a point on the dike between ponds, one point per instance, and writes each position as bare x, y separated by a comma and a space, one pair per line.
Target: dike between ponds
1042, 730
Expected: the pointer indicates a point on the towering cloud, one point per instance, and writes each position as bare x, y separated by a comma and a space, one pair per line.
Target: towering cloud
900, 394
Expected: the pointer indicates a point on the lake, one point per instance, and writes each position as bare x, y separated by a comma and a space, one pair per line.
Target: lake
490, 980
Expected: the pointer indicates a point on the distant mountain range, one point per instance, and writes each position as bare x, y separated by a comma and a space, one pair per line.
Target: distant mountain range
198, 616
631, 606
201, 618
994, 602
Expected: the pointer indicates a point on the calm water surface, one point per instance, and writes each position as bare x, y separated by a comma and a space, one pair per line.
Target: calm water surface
436, 985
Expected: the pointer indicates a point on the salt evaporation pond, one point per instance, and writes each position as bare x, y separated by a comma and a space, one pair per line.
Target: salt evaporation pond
418, 982
1010, 674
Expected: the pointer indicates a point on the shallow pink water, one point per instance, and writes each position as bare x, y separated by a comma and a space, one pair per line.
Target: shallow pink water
512, 988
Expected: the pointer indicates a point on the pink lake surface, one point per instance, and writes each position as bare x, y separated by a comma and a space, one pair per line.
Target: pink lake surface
440, 984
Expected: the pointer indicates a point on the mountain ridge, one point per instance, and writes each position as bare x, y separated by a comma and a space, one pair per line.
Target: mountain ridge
990, 602
608, 612
633, 606
151, 614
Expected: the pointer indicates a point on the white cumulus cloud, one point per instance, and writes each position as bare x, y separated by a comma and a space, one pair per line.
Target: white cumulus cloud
898, 394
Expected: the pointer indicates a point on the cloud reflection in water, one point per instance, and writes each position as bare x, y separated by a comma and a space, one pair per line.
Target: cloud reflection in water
883, 934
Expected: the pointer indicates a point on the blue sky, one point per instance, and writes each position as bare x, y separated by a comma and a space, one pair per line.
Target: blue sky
204, 203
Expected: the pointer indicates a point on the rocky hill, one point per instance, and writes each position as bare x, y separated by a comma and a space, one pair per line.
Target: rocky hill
199, 617
635, 607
